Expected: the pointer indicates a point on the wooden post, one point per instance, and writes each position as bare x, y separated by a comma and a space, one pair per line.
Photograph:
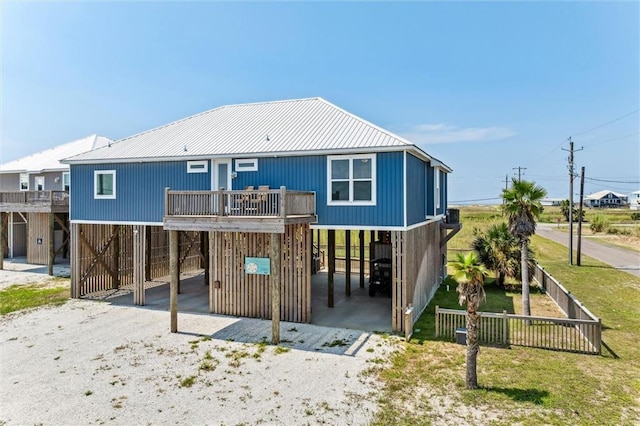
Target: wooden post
178, 237
147, 255
331, 248
75, 260
275, 288
52, 244
283, 203
347, 261
204, 249
361, 240
116, 255
174, 260
579, 254
2, 230
139, 245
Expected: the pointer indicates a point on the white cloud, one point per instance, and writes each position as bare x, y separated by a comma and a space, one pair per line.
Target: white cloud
444, 133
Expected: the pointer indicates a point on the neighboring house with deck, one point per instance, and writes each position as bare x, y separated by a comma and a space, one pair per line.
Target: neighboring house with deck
242, 191
34, 202
606, 199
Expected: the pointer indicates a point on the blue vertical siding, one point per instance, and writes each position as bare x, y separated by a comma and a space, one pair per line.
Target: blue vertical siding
417, 184
443, 193
309, 173
430, 171
139, 190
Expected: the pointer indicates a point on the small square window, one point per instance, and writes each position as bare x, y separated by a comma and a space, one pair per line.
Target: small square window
105, 184
66, 181
197, 166
351, 179
246, 165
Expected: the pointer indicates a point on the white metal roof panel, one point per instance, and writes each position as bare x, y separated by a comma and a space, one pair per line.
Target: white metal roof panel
270, 128
49, 159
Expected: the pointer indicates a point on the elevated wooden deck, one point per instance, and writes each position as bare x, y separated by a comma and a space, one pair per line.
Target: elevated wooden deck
35, 201
267, 211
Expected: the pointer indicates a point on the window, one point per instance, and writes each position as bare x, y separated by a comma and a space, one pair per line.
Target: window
351, 179
24, 181
437, 187
247, 165
104, 184
66, 181
39, 183
197, 166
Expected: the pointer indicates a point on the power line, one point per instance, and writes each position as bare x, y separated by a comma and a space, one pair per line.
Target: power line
612, 140
614, 181
606, 124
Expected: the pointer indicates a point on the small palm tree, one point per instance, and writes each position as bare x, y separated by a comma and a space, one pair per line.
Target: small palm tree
469, 273
523, 206
498, 250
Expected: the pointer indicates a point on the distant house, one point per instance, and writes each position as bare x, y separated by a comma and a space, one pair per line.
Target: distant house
237, 187
606, 199
551, 201
634, 200
34, 201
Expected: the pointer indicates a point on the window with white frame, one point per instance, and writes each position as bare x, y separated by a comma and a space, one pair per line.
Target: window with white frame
246, 165
104, 184
351, 179
66, 181
201, 166
437, 187
24, 181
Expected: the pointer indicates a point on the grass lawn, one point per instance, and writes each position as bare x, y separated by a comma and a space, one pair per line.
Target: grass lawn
425, 384
18, 297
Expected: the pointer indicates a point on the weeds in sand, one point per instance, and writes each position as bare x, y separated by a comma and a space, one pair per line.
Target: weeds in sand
281, 350
209, 363
88, 392
18, 297
187, 382
236, 356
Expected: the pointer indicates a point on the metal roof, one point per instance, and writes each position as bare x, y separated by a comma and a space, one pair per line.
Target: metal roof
601, 194
290, 127
49, 159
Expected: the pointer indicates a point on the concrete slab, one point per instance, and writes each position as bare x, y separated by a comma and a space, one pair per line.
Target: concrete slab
358, 312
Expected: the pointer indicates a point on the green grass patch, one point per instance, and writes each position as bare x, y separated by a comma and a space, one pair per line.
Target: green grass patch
19, 297
425, 384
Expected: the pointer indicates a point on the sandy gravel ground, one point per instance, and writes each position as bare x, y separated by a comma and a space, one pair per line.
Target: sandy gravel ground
90, 362
19, 272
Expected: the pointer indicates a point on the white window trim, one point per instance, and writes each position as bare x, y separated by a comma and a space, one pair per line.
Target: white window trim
351, 202
68, 176
436, 189
239, 167
20, 181
191, 164
95, 184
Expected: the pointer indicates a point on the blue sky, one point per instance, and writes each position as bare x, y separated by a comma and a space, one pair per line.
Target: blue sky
485, 87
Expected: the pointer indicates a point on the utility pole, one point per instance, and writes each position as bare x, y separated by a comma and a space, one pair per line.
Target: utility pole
519, 169
506, 188
571, 177
580, 217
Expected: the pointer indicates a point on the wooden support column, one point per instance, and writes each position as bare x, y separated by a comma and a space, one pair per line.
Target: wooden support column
347, 261
2, 232
178, 238
214, 272
361, 240
174, 261
75, 260
204, 249
147, 254
116, 255
275, 288
139, 257
331, 248
52, 244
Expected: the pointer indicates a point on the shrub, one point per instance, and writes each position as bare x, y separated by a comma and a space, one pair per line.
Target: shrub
635, 216
599, 223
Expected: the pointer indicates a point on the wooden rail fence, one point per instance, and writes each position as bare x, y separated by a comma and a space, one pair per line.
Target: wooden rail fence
562, 334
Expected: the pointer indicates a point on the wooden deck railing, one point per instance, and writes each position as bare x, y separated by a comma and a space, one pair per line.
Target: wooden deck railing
277, 203
53, 198
563, 334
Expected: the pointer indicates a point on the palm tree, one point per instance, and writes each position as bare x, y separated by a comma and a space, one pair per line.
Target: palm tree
522, 203
498, 250
469, 273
